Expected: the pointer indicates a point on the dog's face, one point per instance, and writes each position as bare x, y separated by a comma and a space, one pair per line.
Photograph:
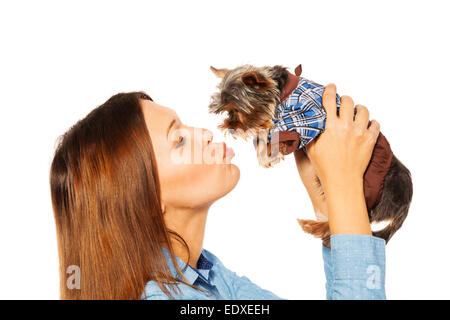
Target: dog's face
248, 96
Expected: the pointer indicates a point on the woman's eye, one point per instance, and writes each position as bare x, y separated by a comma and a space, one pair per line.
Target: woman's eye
180, 142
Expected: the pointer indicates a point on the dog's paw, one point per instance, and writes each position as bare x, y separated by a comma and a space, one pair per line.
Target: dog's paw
270, 161
267, 157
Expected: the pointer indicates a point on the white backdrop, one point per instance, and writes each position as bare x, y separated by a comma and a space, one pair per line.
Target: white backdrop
59, 60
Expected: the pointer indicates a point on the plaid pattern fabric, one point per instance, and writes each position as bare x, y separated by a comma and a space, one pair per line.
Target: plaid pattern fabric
302, 111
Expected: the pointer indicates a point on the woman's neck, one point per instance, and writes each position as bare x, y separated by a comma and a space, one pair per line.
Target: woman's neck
189, 224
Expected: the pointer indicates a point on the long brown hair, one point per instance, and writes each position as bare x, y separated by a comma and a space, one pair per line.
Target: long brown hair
106, 202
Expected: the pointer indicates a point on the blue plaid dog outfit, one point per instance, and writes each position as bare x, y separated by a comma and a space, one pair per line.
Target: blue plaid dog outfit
302, 112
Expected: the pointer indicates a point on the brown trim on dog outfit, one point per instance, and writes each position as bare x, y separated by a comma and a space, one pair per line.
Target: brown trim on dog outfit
376, 171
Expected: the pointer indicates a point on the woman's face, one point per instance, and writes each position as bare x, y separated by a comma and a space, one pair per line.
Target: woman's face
193, 171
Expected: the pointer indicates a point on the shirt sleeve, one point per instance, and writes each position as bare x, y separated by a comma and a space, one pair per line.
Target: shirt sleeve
355, 267
245, 289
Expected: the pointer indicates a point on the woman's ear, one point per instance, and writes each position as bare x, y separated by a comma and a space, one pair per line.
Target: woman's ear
219, 72
163, 207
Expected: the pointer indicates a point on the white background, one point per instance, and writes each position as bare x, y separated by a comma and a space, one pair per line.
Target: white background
59, 60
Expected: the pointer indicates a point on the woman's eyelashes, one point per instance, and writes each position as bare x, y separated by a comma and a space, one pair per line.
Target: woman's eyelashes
180, 142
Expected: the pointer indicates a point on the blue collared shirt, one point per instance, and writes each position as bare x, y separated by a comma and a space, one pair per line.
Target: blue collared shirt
354, 269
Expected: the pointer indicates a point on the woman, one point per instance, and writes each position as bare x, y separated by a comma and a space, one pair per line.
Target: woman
131, 187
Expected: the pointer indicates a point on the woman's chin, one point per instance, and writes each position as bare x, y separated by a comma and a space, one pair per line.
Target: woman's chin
218, 186
230, 176
233, 175
235, 171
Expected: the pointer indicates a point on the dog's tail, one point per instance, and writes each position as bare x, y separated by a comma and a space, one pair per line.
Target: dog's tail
395, 200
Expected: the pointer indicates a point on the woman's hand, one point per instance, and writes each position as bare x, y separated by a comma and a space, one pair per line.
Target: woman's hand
344, 149
340, 156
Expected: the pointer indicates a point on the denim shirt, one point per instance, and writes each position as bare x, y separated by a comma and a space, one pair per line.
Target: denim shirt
354, 269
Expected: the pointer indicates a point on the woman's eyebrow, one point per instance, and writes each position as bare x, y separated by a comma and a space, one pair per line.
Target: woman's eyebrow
170, 126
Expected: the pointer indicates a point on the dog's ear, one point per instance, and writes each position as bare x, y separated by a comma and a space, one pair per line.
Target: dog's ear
252, 79
298, 70
219, 72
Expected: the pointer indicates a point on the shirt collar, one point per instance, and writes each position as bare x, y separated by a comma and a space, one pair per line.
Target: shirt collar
291, 85
202, 271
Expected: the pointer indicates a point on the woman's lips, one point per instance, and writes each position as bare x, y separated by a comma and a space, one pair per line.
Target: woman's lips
228, 152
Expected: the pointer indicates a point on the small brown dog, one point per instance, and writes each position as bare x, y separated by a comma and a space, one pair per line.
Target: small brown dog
251, 96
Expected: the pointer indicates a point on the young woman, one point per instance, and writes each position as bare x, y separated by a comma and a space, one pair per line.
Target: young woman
130, 211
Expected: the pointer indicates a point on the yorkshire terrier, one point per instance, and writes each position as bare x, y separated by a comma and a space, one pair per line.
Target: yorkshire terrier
283, 112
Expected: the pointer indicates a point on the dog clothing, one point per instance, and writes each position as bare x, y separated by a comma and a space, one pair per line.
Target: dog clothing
302, 112
300, 118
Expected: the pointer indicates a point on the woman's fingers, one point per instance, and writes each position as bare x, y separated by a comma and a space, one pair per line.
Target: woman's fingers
362, 117
329, 102
374, 130
346, 111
